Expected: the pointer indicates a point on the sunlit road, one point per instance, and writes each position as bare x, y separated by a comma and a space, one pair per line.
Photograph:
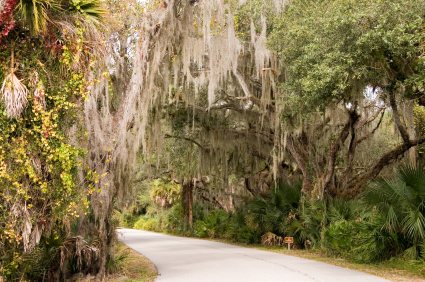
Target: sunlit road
193, 260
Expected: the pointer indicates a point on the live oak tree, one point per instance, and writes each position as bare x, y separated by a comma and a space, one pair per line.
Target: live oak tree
331, 52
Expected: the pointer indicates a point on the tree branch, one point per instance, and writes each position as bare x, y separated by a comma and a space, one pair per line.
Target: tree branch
266, 138
214, 201
190, 140
364, 137
358, 185
397, 121
227, 106
366, 121
334, 148
154, 177
248, 94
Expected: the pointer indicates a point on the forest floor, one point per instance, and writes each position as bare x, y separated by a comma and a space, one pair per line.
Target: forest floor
132, 266
396, 270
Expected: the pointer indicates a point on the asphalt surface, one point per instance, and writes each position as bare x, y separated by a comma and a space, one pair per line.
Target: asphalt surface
193, 260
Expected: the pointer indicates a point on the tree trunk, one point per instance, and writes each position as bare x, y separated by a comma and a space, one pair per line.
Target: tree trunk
103, 250
323, 183
411, 131
302, 163
188, 202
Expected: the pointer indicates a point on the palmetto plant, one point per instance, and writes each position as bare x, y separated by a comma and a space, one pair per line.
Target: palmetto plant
34, 14
400, 201
272, 213
92, 9
308, 222
165, 194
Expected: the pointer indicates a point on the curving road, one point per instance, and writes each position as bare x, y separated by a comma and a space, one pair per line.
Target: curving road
193, 260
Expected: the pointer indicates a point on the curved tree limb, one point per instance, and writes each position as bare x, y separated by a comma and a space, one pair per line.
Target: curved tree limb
358, 184
146, 177
190, 140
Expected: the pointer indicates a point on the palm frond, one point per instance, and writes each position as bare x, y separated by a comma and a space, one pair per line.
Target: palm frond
93, 10
14, 94
414, 225
35, 15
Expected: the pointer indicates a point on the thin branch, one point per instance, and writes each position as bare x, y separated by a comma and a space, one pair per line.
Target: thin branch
214, 200
154, 177
361, 139
188, 139
248, 94
266, 138
370, 119
227, 106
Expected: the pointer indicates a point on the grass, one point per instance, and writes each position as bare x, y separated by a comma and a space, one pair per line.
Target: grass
134, 267
396, 269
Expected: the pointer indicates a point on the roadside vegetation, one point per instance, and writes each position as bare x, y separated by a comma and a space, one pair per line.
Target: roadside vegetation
127, 265
381, 230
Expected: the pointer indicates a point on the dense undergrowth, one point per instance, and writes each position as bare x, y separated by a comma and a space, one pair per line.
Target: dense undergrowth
385, 223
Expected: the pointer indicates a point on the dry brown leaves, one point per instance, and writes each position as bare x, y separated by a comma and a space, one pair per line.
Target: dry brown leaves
14, 94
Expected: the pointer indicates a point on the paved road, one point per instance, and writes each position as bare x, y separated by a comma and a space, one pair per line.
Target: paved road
193, 260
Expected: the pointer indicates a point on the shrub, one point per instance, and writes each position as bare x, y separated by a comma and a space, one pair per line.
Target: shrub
338, 237
148, 223
270, 214
397, 206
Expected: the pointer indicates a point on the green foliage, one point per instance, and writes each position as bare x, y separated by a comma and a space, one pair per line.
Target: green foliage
214, 225
92, 9
231, 226
270, 214
338, 237
40, 193
400, 204
333, 48
170, 220
35, 14
165, 194
308, 223
373, 243
116, 260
